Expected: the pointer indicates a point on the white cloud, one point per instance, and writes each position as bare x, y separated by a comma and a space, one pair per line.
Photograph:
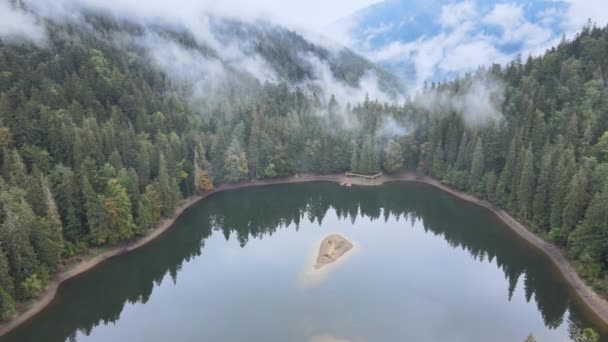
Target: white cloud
456, 50
469, 55
372, 32
579, 11
15, 24
325, 80
461, 41
505, 15
478, 104
307, 15
550, 16
453, 15
516, 29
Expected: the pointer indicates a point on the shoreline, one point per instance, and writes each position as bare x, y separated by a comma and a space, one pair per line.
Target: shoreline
597, 305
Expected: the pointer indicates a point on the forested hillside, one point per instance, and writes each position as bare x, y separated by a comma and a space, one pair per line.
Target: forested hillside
547, 161
100, 140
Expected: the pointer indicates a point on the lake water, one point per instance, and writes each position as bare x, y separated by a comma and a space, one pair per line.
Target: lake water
238, 267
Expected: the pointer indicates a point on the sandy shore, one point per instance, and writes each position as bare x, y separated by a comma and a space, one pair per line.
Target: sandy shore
592, 300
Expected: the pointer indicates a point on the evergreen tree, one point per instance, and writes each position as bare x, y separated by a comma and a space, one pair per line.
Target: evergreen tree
564, 171
477, 167
94, 213
235, 163
394, 157
577, 197
51, 230
489, 181
437, 162
166, 187
540, 205
354, 159
526, 184
205, 183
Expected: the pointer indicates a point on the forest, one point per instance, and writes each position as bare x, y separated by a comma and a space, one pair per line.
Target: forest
98, 144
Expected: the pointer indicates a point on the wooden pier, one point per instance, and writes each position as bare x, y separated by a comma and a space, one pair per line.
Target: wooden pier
374, 176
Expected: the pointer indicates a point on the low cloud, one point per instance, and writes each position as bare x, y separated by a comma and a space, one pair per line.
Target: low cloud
324, 79
479, 104
16, 23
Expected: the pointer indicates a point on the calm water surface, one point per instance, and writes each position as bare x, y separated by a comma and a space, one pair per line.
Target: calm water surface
238, 267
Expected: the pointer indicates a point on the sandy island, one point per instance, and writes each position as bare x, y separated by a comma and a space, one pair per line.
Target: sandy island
325, 256
594, 302
331, 249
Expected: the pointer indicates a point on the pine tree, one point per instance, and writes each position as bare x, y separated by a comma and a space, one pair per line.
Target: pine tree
6, 280
540, 205
7, 305
53, 228
489, 182
437, 167
7, 302
354, 159
167, 188
149, 209
463, 152
505, 183
255, 137
235, 163
17, 172
477, 166
94, 213
577, 197
564, 171
196, 168
366, 161
525, 191
205, 183
15, 232
218, 150
394, 157
118, 211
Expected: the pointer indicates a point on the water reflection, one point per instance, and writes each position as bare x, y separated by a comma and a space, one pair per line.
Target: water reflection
100, 296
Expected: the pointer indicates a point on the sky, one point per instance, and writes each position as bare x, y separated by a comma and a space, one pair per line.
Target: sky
435, 40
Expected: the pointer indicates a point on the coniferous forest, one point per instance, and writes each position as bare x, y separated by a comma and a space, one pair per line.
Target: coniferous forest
98, 144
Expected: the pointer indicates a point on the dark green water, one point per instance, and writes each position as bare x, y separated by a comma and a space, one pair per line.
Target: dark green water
237, 267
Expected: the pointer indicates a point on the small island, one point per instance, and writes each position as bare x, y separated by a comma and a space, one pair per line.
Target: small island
331, 249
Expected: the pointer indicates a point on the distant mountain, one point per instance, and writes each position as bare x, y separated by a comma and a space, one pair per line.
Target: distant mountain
293, 59
433, 39
240, 56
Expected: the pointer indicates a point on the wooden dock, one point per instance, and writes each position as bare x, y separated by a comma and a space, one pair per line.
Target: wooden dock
374, 176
